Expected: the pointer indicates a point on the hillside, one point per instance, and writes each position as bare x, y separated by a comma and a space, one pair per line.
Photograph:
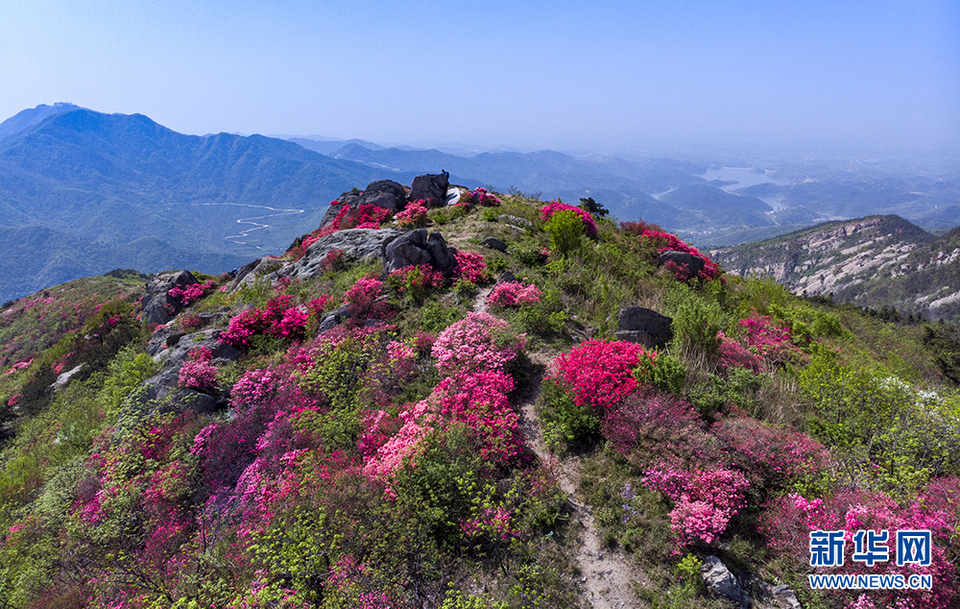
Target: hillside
877, 261
519, 404
93, 186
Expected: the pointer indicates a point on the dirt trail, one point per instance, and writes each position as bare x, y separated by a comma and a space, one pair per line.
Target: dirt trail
605, 576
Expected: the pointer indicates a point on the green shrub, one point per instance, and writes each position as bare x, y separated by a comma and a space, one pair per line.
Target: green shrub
565, 424
566, 231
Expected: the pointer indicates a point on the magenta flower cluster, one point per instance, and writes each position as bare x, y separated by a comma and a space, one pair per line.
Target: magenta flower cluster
477, 342
480, 196
191, 293
514, 294
197, 372
414, 215
472, 267
588, 222
598, 374
280, 319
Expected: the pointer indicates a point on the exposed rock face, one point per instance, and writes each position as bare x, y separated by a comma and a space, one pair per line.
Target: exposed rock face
260, 267
644, 326
694, 263
387, 194
357, 243
164, 383
432, 188
721, 582
416, 248
158, 307
514, 221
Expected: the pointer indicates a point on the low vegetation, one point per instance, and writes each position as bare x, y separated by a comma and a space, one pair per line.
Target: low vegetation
383, 463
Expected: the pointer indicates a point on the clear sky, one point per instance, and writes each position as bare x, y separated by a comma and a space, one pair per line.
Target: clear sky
562, 74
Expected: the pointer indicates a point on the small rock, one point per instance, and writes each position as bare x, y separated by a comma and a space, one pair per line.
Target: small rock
508, 219
694, 263
495, 244
63, 379
720, 580
431, 188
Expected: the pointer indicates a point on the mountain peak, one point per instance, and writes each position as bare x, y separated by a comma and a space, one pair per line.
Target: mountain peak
33, 116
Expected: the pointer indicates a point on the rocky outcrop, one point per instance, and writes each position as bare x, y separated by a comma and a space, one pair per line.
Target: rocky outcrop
158, 307
432, 188
387, 194
416, 248
260, 267
644, 326
164, 383
63, 378
355, 243
721, 582
694, 263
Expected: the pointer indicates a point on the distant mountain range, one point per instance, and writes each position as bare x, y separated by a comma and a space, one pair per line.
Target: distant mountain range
874, 261
82, 192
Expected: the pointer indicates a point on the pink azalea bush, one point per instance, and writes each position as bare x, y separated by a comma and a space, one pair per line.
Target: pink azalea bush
472, 267
771, 339
704, 499
664, 241
414, 215
363, 299
735, 355
477, 342
588, 222
514, 294
197, 372
480, 196
598, 374
191, 293
280, 319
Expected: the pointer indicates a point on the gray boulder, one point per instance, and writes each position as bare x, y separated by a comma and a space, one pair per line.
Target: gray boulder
415, 248
721, 582
432, 188
644, 326
63, 378
356, 243
164, 383
158, 307
694, 263
260, 267
387, 194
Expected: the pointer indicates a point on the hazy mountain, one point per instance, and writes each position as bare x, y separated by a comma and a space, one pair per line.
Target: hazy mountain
32, 116
874, 261
107, 181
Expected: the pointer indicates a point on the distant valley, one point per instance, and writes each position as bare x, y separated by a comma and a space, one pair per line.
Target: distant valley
82, 192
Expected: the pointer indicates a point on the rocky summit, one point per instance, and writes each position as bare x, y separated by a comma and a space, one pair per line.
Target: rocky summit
440, 397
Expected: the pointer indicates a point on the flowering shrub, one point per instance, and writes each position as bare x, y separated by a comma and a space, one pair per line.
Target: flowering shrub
771, 457
480, 196
547, 211
598, 374
514, 294
191, 293
770, 339
477, 342
363, 300
733, 354
705, 500
416, 281
667, 241
472, 267
414, 215
479, 399
280, 319
649, 426
788, 521
417, 421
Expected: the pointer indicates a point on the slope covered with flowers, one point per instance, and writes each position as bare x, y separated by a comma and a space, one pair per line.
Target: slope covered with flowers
386, 460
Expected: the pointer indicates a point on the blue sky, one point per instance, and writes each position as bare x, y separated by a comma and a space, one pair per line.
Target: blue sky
563, 74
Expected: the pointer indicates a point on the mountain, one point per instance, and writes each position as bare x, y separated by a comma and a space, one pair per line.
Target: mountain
874, 261
106, 182
372, 419
32, 116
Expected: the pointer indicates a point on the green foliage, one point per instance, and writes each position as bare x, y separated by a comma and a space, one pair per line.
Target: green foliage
667, 372
736, 386
887, 433
489, 214
565, 424
697, 318
124, 374
566, 231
